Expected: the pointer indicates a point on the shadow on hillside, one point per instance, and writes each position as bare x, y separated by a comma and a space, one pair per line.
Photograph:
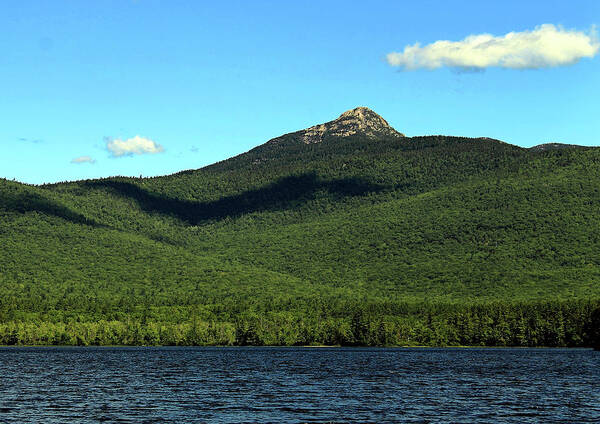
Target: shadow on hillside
31, 202
286, 193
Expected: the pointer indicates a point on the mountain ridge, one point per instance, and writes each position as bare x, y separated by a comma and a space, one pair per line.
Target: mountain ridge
555, 146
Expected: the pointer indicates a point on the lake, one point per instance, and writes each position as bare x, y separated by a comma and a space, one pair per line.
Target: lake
234, 385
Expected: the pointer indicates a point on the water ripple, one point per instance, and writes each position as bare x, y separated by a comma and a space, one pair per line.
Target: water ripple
227, 385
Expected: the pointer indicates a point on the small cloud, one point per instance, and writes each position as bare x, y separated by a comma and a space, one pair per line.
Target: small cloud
83, 159
194, 149
132, 146
29, 140
546, 46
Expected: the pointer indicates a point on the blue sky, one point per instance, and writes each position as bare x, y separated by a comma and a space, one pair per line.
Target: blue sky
203, 82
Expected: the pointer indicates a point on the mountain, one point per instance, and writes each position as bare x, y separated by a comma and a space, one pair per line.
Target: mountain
356, 125
347, 232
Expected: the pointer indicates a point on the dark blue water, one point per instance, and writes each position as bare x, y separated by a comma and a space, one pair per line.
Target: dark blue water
298, 385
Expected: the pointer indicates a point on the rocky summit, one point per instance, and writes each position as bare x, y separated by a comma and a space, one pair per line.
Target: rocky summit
360, 121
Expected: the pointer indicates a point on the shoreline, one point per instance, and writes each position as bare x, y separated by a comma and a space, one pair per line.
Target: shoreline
294, 347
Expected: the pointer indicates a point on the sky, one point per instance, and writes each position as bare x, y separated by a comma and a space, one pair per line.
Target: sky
104, 88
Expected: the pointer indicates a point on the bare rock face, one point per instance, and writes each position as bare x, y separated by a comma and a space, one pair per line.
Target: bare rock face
359, 121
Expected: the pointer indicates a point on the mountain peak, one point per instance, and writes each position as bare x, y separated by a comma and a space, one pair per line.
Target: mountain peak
362, 113
360, 121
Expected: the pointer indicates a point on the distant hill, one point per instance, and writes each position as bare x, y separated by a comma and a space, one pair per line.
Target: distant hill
554, 146
347, 232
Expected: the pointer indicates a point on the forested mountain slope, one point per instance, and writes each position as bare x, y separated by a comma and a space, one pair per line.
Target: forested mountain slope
344, 233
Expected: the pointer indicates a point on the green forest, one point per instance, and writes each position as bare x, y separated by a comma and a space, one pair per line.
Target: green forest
361, 241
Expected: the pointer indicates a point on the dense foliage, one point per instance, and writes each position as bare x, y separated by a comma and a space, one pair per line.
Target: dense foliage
413, 241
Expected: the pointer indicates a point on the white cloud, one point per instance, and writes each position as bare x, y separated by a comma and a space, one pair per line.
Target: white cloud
545, 47
133, 146
83, 159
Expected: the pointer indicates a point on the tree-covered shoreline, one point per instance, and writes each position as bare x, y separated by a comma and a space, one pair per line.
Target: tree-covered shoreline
548, 324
